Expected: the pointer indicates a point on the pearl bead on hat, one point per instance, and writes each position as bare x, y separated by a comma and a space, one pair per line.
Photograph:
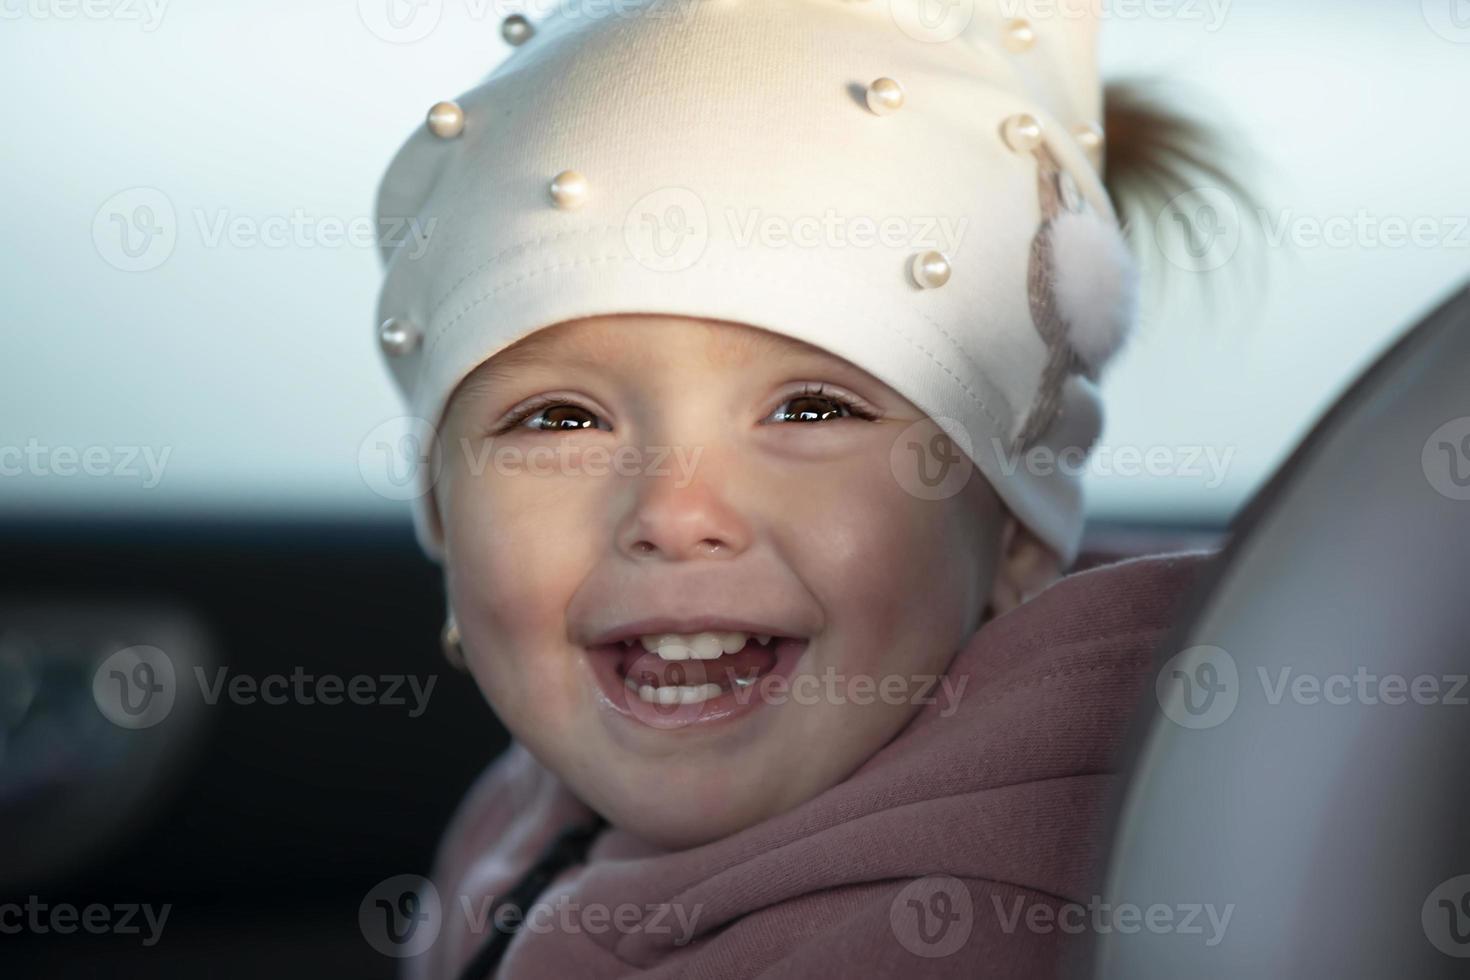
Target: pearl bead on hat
885, 96
446, 120
398, 337
961, 248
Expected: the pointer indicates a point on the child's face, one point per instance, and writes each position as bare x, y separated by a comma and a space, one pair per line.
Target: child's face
664, 473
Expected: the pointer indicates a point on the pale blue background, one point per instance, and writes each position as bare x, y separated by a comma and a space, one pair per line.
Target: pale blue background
255, 366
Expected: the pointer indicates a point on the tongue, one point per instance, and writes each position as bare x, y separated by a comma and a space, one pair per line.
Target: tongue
751, 661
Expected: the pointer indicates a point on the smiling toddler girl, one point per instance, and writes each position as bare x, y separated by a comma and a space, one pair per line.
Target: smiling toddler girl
746, 328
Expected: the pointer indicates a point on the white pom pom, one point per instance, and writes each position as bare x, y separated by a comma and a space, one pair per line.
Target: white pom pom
1095, 284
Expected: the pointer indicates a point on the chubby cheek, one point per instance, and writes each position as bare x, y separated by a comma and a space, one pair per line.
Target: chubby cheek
510, 579
899, 576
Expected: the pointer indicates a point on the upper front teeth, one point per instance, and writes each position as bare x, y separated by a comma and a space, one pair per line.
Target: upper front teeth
700, 646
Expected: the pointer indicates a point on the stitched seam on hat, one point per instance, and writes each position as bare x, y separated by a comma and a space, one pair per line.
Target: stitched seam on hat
511, 250
501, 287
961, 351
736, 270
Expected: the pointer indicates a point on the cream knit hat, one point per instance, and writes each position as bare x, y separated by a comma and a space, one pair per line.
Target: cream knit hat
911, 185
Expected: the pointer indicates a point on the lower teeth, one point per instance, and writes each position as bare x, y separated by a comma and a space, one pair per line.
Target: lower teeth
683, 693
670, 694
676, 693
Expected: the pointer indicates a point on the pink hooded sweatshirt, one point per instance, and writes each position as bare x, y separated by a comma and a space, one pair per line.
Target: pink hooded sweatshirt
949, 853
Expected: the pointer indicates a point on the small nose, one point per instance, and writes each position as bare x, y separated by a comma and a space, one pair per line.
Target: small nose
679, 523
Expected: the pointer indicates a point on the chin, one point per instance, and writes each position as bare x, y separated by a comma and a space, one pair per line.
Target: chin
678, 831
677, 814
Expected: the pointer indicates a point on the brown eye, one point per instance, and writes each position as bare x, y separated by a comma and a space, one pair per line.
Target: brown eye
560, 417
814, 404
549, 413
812, 408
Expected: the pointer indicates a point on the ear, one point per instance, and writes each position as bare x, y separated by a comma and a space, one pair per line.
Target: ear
429, 512
1026, 567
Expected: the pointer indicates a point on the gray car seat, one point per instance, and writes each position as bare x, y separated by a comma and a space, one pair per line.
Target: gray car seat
1299, 798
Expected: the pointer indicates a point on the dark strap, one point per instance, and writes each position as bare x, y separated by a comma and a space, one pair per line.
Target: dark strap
569, 848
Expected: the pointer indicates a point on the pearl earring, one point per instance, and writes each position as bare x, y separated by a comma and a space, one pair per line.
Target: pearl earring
449, 641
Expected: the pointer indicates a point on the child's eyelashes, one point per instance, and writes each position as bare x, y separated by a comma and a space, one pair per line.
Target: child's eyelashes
818, 403
811, 403
550, 413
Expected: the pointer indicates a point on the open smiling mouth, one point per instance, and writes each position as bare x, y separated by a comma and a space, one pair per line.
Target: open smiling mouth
669, 680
